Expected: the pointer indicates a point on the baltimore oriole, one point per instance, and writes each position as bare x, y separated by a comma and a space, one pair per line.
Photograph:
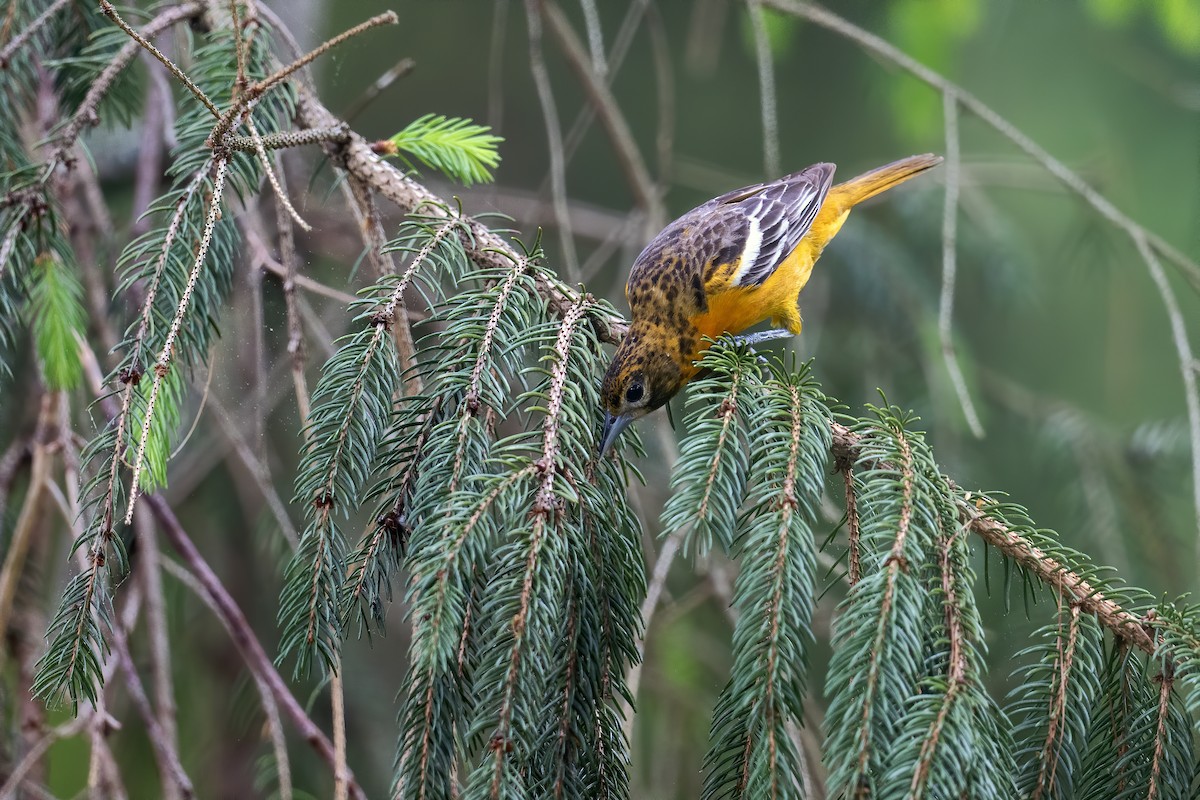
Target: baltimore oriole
722, 267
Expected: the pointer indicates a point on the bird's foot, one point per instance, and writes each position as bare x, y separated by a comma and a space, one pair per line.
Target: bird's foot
751, 339
762, 336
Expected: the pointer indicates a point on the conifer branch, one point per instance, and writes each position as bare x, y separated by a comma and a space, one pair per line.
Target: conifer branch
957, 672
287, 139
854, 533
544, 506
1165, 680
18, 41
85, 115
1052, 573
1047, 781
163, 363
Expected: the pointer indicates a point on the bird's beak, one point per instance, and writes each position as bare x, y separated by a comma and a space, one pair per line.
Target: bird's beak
613, 425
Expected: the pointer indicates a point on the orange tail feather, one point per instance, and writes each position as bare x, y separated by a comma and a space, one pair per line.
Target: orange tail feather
869, 184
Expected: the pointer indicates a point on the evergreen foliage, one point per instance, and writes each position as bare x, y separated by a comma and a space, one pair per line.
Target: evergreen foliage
463, 468
463, 150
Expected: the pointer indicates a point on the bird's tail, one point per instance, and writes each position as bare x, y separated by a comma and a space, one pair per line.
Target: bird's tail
869, 184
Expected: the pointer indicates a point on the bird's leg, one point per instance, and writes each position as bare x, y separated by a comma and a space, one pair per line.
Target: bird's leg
762, 336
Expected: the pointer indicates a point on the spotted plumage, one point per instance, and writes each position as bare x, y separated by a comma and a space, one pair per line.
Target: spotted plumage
723, 267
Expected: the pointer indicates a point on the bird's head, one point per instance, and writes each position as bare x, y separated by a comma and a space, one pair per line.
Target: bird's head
641, 378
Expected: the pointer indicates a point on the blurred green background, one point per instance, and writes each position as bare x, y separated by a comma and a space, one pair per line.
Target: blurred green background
1061, 333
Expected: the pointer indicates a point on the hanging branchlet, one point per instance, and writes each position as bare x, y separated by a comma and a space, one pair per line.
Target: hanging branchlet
185, 270
878, 658
583, 750
415, 431
1064, 680
954, 739
752, 754
523, 606
351, 416
709, 479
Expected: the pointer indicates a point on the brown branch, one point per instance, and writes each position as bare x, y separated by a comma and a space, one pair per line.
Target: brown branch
243, 635
227, 121
852, 523
629, 158
170, 768
848, 445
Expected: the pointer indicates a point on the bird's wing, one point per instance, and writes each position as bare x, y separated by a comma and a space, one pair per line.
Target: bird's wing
772, 221
737, 239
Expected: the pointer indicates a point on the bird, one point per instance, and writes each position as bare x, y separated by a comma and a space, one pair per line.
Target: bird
723, 267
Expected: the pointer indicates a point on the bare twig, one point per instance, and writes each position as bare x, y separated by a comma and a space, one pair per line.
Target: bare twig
591, 22
890, 53
27, 523
112, 14
950, 267
270, 708
558, 166
766, 88
226, 121
171, 769
149, 567
401, 70
628, 156
243, 635
341, 773
1184, 349
285, 139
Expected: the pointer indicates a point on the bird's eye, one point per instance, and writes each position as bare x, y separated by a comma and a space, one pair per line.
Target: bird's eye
633, 393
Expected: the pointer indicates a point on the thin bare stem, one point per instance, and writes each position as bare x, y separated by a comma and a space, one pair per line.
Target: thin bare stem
766, 88
33, 756
25, 532
953, 165
892, 54
111, 13
628, 156
1184, 349
286, 139
6, 53
243, 635
558, 166
295, 344
591, 23
226, 121
341, 773
175, 779
149, 567
280, 195
401, 69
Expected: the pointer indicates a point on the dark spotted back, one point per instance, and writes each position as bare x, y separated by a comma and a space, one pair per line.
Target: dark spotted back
707, 243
